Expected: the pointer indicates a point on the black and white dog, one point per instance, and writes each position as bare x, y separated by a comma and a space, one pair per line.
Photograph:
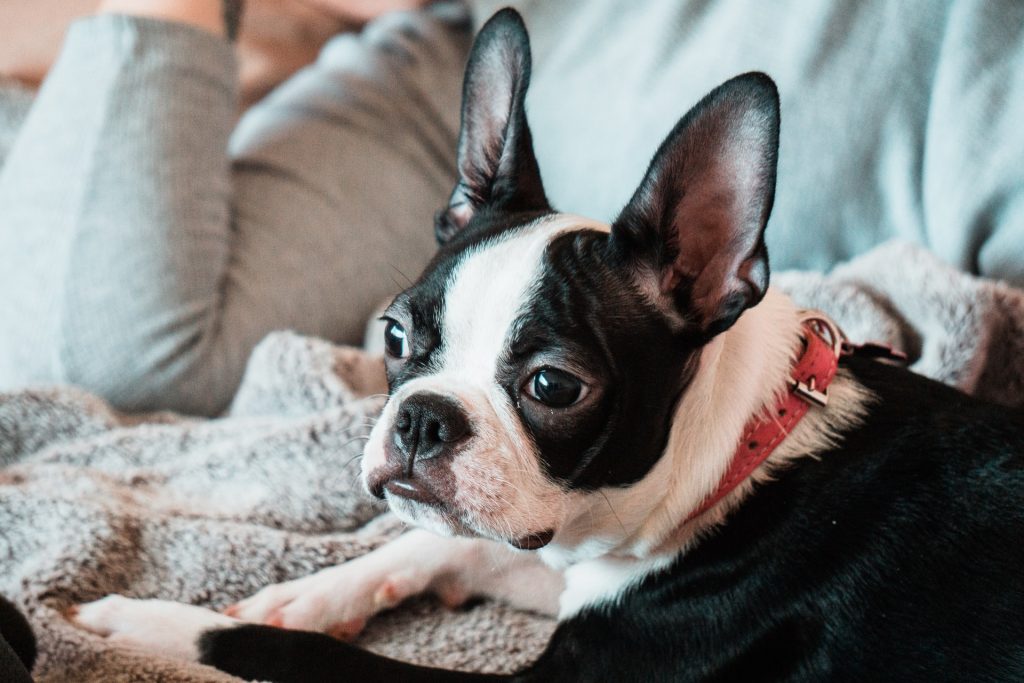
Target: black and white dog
701, 483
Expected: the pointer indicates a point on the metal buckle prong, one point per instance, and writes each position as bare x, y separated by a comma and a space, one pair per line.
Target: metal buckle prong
808, 392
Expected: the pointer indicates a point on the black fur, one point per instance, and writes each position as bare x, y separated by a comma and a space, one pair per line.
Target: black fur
896, 557
17, 645
272, 654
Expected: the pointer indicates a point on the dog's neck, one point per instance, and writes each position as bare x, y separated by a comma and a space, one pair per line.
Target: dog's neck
742, 373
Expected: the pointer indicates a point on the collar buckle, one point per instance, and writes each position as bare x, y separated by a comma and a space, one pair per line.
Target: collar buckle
813, 371
816, 322
824, 327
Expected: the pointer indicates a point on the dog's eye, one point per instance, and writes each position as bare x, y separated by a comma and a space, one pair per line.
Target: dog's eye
555, 388
396, 341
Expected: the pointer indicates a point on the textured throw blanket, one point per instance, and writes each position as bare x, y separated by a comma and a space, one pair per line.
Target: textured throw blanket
208, 511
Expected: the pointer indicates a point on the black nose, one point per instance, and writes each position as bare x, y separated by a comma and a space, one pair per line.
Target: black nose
427, 425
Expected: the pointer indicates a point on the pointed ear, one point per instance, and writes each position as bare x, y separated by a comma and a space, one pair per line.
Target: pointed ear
695, 226
496, 164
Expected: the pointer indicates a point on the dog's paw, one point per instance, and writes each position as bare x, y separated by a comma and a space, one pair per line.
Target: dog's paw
337, 601
161, 627
323, 602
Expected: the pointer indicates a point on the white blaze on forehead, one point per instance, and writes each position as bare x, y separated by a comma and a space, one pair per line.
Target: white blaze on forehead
489, 289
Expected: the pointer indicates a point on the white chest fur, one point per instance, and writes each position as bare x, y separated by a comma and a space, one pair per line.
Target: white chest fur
603, 581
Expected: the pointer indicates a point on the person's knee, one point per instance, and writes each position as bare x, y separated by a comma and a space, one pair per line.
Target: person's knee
187, 370
394, 81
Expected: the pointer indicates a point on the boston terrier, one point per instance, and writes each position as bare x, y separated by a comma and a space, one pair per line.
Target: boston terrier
624, 426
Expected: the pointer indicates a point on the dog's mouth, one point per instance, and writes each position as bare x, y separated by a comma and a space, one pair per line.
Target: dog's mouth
412, 490
534, 541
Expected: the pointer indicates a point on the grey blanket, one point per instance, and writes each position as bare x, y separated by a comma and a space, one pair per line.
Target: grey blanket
209, 511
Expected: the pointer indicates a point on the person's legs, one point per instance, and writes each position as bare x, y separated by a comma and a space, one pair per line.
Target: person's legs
140, 260
97, 201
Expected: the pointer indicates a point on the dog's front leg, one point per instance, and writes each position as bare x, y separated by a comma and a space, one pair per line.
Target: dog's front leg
253, 652
340, 600
265, 653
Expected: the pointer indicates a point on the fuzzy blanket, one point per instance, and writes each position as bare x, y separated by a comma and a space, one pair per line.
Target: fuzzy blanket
208, 511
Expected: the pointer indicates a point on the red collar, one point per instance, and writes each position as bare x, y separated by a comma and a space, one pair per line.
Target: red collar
809, 381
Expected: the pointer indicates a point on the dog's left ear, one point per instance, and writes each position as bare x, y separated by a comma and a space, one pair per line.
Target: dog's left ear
694, 229
496, 163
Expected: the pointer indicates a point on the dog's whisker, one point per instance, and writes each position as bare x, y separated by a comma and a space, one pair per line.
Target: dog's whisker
352, 460
354, 428
353, 440
408, 280
614, 513
364, 423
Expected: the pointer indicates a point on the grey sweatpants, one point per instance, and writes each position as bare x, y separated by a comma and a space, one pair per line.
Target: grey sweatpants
147, 243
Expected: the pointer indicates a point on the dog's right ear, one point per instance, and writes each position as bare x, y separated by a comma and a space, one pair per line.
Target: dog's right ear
496, 163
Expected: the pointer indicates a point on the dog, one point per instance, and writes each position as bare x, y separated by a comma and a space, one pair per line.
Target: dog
626, 427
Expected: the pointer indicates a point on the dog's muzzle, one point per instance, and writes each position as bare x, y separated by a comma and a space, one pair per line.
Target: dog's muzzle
427, 430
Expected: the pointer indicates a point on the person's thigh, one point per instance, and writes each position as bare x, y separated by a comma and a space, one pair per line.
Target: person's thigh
338, 173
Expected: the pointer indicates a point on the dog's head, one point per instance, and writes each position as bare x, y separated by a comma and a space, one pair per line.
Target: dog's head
538, 360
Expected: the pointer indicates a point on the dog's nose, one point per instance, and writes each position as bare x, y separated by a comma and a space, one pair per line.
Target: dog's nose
427, 425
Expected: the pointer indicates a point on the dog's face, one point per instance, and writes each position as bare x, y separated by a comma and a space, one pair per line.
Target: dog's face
517, 365
539, 359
